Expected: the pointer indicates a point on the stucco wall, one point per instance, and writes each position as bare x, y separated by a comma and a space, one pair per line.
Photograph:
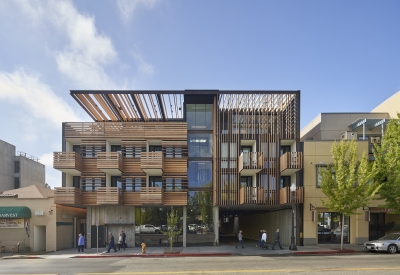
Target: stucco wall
390, 105
31, 172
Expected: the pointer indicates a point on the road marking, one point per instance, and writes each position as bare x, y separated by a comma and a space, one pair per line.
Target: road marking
316, 270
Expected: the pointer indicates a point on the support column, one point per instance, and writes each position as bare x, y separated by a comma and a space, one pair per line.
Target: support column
89, 227
216, 224
184, 225
74, 239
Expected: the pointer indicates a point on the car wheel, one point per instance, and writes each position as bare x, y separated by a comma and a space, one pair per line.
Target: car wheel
157, 232
392, 249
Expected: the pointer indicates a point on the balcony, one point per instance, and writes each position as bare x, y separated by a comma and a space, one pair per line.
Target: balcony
251, 195
291, 162
109, 195
151, 195
110, 163
285, 196
68, 162
67, 195
152, 163
175, 198
250, 163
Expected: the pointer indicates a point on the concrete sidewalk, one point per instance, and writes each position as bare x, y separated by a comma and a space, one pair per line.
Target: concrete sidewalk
197, 251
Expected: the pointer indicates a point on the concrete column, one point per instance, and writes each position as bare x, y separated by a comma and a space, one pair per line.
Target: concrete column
184, 225
134, 226
74, 240
236, 225
68, 180
89, 227
108, 180
216, 223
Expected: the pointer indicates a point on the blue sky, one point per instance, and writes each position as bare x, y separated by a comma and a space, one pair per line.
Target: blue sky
343, 55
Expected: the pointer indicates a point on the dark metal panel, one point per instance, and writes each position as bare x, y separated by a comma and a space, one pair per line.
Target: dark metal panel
137, 106
112, 106
161, 107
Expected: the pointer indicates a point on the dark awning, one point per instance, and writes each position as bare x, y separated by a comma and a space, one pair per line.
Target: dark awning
14, 212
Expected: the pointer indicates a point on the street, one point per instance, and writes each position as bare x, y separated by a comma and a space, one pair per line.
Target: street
359, 263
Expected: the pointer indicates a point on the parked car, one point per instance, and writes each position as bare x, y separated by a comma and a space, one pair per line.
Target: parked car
389, 243
148, 228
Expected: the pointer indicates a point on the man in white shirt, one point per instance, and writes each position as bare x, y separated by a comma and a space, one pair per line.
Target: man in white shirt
264, 240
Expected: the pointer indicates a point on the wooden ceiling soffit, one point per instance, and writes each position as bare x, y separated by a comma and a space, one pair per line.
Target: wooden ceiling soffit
130, 107
112, 107
92, 107
123, 109
139, 107
105, 106
83, 107
117, 106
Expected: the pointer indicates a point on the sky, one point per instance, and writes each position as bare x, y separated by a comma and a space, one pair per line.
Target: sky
342, 55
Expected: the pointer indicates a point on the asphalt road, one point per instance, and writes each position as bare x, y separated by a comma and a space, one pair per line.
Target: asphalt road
360, 263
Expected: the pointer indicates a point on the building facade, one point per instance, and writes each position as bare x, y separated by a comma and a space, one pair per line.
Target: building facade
18, 169
223, 159
321, 225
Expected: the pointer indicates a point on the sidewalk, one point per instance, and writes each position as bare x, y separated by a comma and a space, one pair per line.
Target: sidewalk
198, 251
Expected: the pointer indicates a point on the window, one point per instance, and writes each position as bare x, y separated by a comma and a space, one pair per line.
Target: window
115, 148
246, 181
284, 149
200, 145
173, 184
76, 149
319, 174
200, 174
285, 182
16, 166
199, 116
76, 181
155, 181
133, 184
92, 184
16, 183
155, 148
116, 181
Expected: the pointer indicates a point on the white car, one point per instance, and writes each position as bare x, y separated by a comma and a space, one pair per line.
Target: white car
388, 243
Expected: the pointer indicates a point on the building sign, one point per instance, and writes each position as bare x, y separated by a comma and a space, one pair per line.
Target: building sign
39, 212
11, 223
380, 210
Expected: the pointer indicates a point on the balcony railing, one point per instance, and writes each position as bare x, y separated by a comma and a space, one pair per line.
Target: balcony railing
151, 195
152, 163
286, 196
69, 162
109, 195
110, 162
292, 162
175, 198
251, 161
67, 195
251, 195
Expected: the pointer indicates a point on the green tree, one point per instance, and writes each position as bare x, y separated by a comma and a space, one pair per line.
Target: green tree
387, 166
172, 221
347, 182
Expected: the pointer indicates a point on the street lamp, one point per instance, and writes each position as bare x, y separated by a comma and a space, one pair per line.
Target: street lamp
293, 190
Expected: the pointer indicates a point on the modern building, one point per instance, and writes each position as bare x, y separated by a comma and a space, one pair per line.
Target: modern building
321, 225
223, 159
29, 217
18, 169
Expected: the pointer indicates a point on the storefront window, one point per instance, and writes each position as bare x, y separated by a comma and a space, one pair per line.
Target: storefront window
330, 228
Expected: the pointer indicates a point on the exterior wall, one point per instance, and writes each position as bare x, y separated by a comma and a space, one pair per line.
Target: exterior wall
390, 105
31, 172
66, 238
319, 152
7, 153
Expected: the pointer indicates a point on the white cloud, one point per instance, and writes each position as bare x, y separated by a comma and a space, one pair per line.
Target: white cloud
127, 7
142, 66
22, 88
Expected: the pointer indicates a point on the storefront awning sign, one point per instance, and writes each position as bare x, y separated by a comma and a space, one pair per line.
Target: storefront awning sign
14, 212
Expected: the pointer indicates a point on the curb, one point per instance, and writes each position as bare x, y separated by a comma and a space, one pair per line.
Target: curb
326, 252
20, 257
139, 255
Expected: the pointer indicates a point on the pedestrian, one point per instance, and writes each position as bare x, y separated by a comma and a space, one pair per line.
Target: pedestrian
264, 240
124, 239
277, 239
259, 238
81, 242
120, 242
240, 237
111, 243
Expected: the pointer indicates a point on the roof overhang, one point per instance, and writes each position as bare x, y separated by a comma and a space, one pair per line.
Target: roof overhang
369, 122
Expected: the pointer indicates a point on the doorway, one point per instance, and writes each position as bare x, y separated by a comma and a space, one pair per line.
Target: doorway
376, 226
39, 241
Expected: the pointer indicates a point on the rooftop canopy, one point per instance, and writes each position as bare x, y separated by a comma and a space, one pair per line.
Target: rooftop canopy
156, 105
369, 122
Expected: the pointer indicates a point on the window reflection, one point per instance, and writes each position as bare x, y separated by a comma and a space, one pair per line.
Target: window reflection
200, 174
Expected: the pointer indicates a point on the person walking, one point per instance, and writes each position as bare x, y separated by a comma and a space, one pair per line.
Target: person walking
277, 239
259, 238
124, 239
81, 242
111, 243
264, 240
240, 237
121, 242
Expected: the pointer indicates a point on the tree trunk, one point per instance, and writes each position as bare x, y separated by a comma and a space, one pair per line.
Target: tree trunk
341, 236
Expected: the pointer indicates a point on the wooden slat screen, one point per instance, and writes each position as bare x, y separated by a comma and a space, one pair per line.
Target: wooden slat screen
89, 198
175, 198
109, 195
133, 148
152, 160
90, 148
67, 195
67, 160
291, 160
151, 195
131, 198
110, 160
286, 197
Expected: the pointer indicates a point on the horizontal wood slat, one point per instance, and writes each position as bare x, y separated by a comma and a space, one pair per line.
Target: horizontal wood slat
67, 160
151, 195
175, 198
131, 198
110, 160
90, 166
285, 195
127, 130
175, 166
67, 195
152, 160
89, 198
109, 195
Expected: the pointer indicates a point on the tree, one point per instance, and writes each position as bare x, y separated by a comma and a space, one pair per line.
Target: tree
172, 221
347, 182
387, 166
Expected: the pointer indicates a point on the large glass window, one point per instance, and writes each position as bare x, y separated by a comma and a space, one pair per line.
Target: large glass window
116, 181
200, 145
199, 116
92, 184
155, 181
16, 166
330, 227
133, 184
200, 174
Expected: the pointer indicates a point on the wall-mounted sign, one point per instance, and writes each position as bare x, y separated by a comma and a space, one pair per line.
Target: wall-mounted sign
11, 223
39, 213
66, 216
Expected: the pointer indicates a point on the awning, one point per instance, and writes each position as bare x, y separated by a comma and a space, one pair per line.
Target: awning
14, 212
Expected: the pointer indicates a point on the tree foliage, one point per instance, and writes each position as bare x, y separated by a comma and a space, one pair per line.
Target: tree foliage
348, 182
387, 166
173, 231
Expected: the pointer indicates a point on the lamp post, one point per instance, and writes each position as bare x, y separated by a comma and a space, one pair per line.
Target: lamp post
293, 190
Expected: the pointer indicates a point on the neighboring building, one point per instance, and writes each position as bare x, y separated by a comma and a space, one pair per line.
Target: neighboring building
321, 225
223, 159
17, 169
28, 216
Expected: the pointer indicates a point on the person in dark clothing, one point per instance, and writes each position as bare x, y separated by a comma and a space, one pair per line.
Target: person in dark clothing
259, 238
124, 239
111, 243
240, 237
277, 239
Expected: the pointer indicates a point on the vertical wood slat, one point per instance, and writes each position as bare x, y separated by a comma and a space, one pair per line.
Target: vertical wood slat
291, 160
285, 195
